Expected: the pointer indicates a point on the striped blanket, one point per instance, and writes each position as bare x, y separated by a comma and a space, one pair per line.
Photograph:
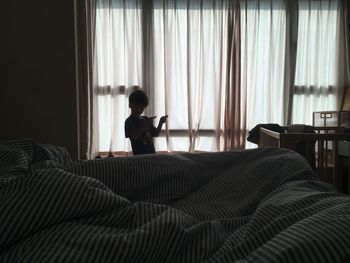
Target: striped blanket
261, 205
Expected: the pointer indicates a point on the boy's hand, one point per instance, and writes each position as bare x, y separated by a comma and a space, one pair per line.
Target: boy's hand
163, 119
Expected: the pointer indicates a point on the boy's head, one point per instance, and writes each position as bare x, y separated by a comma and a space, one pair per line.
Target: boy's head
138, 101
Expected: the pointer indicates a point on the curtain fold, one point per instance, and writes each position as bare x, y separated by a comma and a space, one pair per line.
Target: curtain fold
345, 22
290, 61
148, 54
85, 15
343, 76
234, 110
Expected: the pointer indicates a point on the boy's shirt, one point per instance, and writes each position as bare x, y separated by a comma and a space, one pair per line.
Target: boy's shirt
144, 144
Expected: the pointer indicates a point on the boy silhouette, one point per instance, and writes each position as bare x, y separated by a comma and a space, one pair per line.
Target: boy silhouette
140, 129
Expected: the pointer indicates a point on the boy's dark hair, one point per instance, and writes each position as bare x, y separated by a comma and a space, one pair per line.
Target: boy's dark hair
138, 97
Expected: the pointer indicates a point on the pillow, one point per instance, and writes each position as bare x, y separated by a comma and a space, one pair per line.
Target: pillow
15, 157
11, 160
25, 152
302, 146
24, 146
48, 152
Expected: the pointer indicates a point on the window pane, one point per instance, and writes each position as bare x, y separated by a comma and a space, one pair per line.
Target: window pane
263, 34
189, 42
316, 65
119, 67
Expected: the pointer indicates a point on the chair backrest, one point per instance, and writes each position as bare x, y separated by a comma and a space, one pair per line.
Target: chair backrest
305, 148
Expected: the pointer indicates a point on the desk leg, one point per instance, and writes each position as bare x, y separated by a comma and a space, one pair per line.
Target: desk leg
348, 179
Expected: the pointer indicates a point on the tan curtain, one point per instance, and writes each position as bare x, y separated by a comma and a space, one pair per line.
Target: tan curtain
290, 61
343, 51
346, 33
234, 128
85, 11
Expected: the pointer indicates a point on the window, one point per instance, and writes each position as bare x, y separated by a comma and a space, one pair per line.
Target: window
178, 52
263, 31
187, 48
189, 43
317, 59
119, 61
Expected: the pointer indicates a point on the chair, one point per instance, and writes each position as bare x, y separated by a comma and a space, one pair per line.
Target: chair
320, 148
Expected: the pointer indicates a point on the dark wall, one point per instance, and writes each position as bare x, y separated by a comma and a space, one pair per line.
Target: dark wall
37, 85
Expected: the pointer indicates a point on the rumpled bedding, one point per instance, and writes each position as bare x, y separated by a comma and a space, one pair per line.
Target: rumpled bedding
259, 205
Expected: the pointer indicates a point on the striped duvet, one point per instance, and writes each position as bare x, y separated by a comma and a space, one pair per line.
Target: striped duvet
261, 205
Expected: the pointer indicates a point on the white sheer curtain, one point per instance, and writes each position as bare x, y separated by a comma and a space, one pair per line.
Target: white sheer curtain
317, 80
119, 67
190, 38
187, 51
263, 33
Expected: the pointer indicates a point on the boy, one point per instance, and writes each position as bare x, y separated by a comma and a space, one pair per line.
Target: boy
139, 129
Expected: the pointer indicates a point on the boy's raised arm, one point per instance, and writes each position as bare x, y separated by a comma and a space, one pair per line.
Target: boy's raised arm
162, 120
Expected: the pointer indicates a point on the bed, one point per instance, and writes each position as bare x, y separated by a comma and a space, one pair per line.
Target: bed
258, 205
